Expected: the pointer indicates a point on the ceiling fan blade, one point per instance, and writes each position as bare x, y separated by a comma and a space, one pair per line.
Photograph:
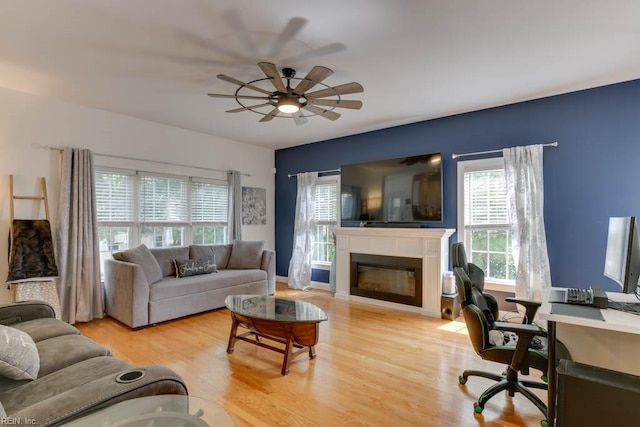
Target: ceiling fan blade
270, 116
344, 89
218, 95
313, 77
251, 107
313, 53
240, 83
331, 115
271, 71
342, 103
299, 119
192, 38
289, 32
236, 24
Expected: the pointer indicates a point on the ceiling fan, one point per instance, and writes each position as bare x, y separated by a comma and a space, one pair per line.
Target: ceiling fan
292, 101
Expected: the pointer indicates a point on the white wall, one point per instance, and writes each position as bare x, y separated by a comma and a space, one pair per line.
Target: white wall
28, 123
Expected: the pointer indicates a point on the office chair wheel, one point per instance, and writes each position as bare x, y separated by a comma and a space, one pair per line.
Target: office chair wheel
477, 408
462, 380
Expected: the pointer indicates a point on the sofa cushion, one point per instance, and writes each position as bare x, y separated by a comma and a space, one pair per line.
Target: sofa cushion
45, 328
145, 259
246, 254
193, 267
165, 257
59, 352
19, 358
172, 287
220, 252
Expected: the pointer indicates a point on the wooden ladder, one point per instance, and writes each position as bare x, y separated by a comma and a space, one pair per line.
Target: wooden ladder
43, 197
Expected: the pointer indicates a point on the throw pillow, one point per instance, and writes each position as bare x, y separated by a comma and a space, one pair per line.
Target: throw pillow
246, 254
145, 259
191, 267
19, 359
221, 252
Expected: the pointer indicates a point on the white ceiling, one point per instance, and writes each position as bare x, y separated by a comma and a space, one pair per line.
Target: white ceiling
417, 59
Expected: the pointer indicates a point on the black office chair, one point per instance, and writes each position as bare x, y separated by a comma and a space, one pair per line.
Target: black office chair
480, 319
476, 275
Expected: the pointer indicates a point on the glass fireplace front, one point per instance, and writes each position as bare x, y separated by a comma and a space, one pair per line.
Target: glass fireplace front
387, 278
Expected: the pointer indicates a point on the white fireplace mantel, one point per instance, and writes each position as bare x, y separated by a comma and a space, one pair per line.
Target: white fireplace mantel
429, 244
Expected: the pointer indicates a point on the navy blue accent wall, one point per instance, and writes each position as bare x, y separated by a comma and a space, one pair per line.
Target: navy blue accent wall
593, 174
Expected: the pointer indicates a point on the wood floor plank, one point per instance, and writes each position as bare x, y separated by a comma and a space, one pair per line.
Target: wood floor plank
375, 366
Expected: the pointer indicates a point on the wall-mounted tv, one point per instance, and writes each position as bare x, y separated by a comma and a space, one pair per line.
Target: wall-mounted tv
402, 190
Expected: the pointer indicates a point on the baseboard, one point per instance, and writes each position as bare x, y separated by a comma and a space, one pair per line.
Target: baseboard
314, 285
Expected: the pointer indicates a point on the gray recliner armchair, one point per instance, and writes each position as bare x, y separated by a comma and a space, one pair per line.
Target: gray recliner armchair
57, 375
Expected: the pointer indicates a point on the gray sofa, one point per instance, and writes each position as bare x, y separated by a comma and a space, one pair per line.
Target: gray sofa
142, 287
50, 374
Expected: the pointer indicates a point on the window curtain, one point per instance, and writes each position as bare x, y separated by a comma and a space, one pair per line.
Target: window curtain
300, 264
523, 170
234, 230
79, 285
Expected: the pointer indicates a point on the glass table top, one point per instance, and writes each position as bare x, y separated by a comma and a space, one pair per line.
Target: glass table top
272, 308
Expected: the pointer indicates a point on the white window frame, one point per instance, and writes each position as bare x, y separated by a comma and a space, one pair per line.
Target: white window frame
197, 223
184, 224
474, 166
321, 265
135, 226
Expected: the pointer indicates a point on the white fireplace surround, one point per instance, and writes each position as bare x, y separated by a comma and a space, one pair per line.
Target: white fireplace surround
429, 244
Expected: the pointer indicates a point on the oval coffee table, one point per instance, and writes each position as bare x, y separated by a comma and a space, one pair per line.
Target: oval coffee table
294, 323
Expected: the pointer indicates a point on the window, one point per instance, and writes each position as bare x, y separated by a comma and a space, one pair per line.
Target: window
158, 210
163, 210
115, 211
209, 204
326, 214
483, 220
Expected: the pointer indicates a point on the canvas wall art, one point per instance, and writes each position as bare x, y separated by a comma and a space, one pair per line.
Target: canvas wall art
254, 206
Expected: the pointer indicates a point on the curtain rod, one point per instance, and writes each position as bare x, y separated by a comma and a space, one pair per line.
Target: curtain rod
291, 175
113, 156
477, 153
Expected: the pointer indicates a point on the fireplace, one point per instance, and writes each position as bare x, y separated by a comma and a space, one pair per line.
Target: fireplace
387, 278
429, 245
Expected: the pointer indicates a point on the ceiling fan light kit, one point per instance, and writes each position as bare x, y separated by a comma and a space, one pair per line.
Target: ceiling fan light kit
288, 102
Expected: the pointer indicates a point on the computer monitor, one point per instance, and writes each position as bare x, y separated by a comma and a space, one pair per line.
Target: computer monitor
622, 260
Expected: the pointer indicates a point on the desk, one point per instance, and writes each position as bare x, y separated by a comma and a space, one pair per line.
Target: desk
612, 344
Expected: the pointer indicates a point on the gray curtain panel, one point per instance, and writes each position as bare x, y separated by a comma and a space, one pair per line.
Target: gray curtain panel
234, 229
79, 286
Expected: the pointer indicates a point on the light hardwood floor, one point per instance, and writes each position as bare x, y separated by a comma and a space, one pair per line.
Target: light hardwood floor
374, 367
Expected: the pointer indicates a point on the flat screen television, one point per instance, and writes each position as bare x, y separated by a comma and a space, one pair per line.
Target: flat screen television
405, 190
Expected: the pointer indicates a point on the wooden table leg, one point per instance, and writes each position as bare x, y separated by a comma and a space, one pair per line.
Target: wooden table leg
312, 352
232, 334
287, 355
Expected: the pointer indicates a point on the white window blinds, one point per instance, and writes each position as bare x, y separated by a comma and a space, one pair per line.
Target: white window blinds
326, 203
163, 200
209, 202
485, 197
115, 197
